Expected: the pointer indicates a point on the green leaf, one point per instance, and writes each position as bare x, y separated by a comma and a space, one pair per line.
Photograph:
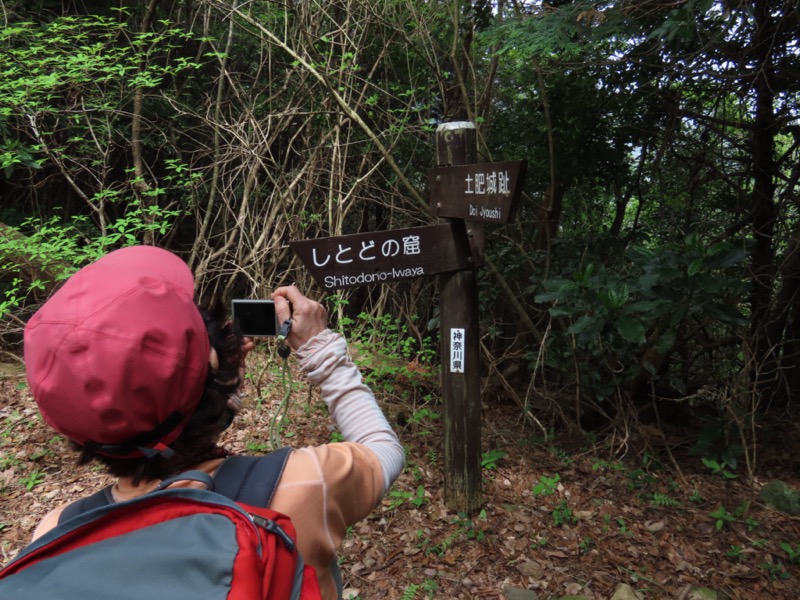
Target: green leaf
547, 297
695, 267
645, 306
724, 255
631, 329
582, 324
666, 341
724, 313
708, 284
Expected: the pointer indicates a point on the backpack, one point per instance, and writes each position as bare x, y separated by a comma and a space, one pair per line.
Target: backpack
171, 544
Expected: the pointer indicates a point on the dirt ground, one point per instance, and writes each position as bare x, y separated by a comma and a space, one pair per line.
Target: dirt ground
557, 517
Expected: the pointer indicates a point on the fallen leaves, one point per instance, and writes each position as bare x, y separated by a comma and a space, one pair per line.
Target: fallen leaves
619, 544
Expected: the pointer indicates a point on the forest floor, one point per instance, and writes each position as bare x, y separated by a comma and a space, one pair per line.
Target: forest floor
558, 517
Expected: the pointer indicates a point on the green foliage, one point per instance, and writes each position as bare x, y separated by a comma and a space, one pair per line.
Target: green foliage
398, 497
623, 527
626, 322
433, 457
793, 552
628, 85
542, 39
257, 447
490, 458
13, 152
465, 527
562, 455
57, 75
585, 545
563, 515
389, 336
715, 447
664, 500
735, 552
32, 479
66, 88
602, 464
640, 479
680, 26
547, 486
722, 516
775, 570
431, 587
411, 591
60, 249
417, 499
696, 497
423, 415
614, 104
388, 353
719, 468
474, 529
8, 461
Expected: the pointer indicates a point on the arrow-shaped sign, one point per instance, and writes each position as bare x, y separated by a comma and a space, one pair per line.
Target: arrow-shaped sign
379, 257
481, 192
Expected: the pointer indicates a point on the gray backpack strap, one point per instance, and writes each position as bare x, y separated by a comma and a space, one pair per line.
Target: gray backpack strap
194, 475
248, 479
96, 500
251, 479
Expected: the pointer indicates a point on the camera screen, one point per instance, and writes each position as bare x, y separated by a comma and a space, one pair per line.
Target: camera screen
256, 318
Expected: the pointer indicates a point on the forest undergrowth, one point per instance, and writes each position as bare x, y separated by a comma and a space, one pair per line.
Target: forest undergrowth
560, 515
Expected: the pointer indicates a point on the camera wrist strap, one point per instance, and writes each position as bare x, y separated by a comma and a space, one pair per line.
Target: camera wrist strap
283, 347
286, 378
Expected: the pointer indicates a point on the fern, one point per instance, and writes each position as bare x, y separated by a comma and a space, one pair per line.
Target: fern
410, 592
664, 500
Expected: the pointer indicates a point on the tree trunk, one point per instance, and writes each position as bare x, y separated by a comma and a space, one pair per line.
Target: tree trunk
764, 348
548, 216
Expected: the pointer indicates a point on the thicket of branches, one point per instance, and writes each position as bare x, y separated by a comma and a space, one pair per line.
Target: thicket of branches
653, 262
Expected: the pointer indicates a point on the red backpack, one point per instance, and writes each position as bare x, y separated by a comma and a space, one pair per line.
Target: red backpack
171, 544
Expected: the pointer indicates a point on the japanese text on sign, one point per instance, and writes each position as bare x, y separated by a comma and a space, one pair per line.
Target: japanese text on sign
383, 256
457, 339
492, 182
479, 192
388, 249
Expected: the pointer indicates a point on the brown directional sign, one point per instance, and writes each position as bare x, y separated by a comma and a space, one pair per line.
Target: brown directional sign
481, 192
379, 257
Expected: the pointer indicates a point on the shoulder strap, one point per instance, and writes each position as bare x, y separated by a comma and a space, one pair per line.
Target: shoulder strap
251, 479
96, 500
193, 475
248, 479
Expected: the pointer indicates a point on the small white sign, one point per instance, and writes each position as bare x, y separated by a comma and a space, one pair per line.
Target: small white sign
457, 339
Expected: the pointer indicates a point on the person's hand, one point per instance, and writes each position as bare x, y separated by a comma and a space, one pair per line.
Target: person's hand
247, 345
235, 399
308, 317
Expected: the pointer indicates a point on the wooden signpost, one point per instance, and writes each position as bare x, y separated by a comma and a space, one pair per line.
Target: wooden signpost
463, 195
459, 333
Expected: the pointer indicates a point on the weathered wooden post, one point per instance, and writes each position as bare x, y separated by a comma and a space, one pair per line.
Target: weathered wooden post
460, 352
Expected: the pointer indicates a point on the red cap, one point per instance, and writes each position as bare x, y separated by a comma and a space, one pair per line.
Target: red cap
117, 358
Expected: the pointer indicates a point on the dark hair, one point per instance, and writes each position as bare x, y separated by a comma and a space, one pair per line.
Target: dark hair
198, 440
